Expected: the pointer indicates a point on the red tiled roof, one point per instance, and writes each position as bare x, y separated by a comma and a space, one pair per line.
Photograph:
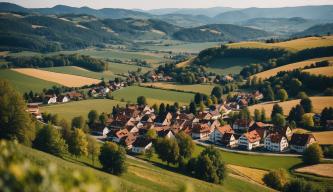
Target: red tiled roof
252, 136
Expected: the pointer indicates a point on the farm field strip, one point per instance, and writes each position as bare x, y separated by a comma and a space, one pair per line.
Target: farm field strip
60, 78
319, 103
293, 45
327, 71
324, 170
201, 88
324, 137
292, 66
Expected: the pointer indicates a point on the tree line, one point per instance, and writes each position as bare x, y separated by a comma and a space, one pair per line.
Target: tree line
83, 61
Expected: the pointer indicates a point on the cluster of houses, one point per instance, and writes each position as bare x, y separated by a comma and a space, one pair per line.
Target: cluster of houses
242, 100
130, 125
104, 90
63, 98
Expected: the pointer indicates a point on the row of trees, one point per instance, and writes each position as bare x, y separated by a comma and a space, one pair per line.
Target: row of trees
83, 61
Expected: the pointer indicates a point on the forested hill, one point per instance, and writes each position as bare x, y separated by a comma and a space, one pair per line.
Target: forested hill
219, 32
323, 29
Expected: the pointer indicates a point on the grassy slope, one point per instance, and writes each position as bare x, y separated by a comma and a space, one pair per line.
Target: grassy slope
141, 176
294, 45
318, 104
292, 66
24, 83
201, 88
152, 95
327, 71
77, 108
183, 47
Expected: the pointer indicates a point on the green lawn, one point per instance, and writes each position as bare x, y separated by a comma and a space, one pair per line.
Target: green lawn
226, 66
117, 68
153, 96
24, 83
140, 176
77, 108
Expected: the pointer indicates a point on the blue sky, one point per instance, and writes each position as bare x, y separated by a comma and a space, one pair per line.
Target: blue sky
155, 4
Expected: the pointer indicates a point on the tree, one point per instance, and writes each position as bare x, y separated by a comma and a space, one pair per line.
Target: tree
78, 143
93, 148
326, 114
197, 98
296, 114
92, 116
269, 93
245, 114
112, 158
78, 122
299, 185
313, 154
66, 130
257, 116
217, 92
279, 120
156, 110
141, 100
162, 109
282, 95
209, 166
167, 150
307, 120
307, 105
102, 118
209, 102
328, 151
149, 153
185, 144
263, 115
55, 119
151, 134
49, 139
214, 99
302, 95
15, 122
276, 179
193, 108
276, 109
295, 86
202, 107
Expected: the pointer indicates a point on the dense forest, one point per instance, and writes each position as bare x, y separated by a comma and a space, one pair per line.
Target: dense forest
83, 61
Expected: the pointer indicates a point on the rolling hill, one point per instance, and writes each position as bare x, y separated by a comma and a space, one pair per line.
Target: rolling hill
219, 32
322, 29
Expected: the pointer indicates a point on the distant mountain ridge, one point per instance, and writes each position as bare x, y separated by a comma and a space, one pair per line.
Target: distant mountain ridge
323, 29
209, 12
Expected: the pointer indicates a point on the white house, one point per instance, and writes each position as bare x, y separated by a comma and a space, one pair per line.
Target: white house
49, 99
62, 99
230, 140
299, 142
217, 134
201, 131
276, 142
141, 144
249, 140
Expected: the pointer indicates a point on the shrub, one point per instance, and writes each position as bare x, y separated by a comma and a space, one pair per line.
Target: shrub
313, 154
276, 179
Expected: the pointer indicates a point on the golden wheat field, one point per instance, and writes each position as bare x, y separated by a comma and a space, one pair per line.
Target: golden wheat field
324, 137
292, 66
319, 103
60, 78
293, 45
253, 174
325, 170
327, 71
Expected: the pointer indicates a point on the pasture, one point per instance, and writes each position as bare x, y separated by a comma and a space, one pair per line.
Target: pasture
81, 108
141, 176
225, 66
324, 137
24, 83
292, 45
200, 88
323, 170
59, 78
253, 174
182, 47
131, 93
319, 103
297, 65
326, 71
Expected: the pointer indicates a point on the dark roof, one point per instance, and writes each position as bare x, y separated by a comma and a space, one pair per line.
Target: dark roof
300, 139
275, 137
129, 139
163, 133
141, 142
96, 127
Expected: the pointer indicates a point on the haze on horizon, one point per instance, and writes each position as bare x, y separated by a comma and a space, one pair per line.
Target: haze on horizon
157, 4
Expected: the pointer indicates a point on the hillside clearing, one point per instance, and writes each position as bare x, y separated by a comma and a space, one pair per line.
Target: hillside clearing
24, 83
141, 176
325, 170
60, 78
77, 108
131, 93
253, 174
185, 63
319, 103
200, 88
327, 71
292, 66
293, 45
